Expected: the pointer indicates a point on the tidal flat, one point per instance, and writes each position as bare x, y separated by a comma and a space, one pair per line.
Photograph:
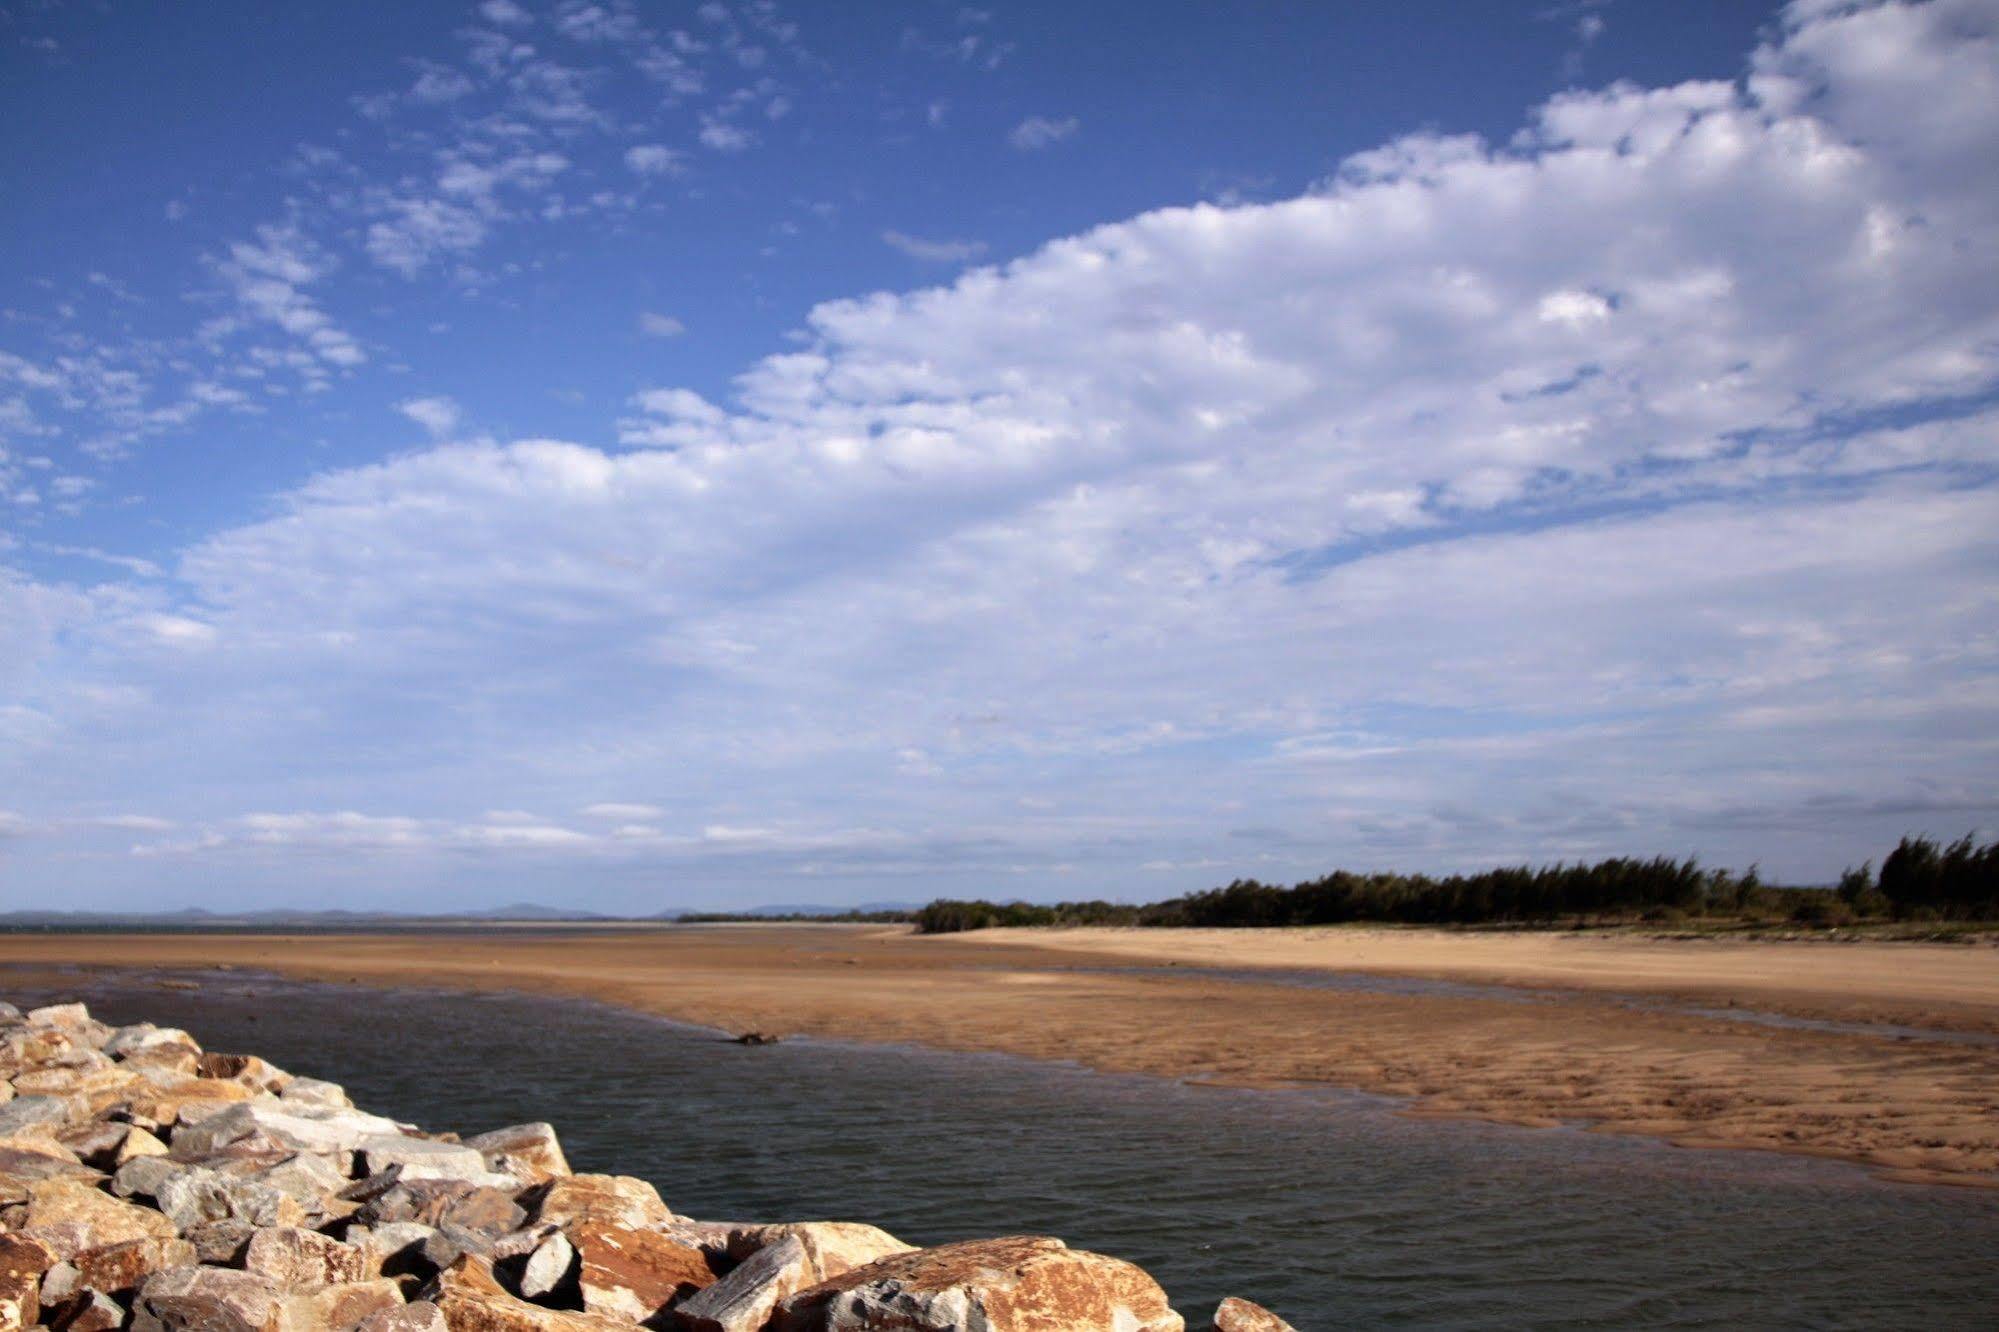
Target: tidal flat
1330, 1207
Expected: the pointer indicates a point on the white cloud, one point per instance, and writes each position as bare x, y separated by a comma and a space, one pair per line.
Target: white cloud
505, 13
623, 811
934, 251
439, 416
655, 325
723, 137
652, 159
1624, 488
1042, 131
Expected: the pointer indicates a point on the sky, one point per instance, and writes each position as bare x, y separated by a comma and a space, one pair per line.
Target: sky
635, 456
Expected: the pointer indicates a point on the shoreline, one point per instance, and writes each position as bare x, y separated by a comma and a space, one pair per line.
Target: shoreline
1569, 1050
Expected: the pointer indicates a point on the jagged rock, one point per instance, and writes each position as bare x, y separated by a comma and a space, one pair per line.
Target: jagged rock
24, 1160
422, 1316
743, 1300
302, 1128
549, 1267
529, 1152
192, 1102
72, 1016
25, 1048
315, 1091
1234, 1315
246, 1070
1020, 1283
136, 1143
831, 1247
396, 1248
71, 1217
220, 1242
96, 1142
142, 1176
89, 1311
437, 1201
25, 1111
614, 1200
634, 1274
292, 1258
339, 1307
117, 1268
472, 1301
164, 1065
421, 1158
305, 1177
22, 1263
205, 1299
59, 1283
194, 1196
128, 1041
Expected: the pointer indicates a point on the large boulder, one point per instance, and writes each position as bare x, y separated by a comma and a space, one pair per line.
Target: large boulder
291, 1258
118, 1268
27, 1111
743, 1300
206, 1299
196, 1196
528, 1152
337, 1308
246, 1070
634, 1274
70, 1217
88, 1310
421, 1316
471, 1300
1019, 1283
1234, 1315
613, 1200
831, 1247
299, 1127
421, 1158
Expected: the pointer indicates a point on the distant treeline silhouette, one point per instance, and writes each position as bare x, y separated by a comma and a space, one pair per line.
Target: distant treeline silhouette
1919, 880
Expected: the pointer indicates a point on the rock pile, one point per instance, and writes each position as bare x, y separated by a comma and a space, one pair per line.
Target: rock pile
148, 1184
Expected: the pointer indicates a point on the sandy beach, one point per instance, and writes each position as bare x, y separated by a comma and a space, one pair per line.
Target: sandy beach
1619, 1033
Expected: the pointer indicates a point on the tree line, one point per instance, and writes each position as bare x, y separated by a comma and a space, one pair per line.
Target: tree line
1919, 880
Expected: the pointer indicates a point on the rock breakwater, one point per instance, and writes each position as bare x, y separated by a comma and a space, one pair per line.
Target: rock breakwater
147, 1183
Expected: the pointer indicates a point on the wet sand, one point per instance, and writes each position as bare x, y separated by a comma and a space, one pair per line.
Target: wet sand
1601, 1030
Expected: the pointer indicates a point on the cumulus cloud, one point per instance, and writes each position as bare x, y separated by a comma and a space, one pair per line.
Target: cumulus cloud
655, 325
1623, 487
652, 159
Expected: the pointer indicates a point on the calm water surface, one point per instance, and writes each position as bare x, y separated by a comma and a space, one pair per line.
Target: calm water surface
1328, 1208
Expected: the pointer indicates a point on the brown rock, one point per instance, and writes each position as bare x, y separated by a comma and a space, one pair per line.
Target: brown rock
117, 1268
196, 1196
422, 1316
528, 1152
248, 1070
136, 1143
89, 1311
22, 1262
205, 1299
1020, 1283
338, 1308
1236, 1315
831, 1247
292, 1258
220, 1243
743, 1300
472, 1301
634, 1274
612, 1200
75, 1217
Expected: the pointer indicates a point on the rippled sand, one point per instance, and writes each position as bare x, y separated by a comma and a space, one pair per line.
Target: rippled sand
1606, 1030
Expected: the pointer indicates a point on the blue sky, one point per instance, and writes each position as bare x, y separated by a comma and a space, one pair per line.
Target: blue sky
700, 455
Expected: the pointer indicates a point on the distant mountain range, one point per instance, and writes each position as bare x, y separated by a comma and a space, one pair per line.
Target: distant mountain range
528, 912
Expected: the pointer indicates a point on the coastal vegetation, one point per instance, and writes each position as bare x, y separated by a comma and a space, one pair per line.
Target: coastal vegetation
1920, 880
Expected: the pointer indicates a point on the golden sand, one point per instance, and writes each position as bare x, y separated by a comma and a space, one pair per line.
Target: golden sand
1597, 1029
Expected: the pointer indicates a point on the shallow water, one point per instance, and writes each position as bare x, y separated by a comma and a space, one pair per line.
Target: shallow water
1329, 1208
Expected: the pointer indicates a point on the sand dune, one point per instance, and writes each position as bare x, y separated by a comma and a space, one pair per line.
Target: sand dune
1566, 1043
